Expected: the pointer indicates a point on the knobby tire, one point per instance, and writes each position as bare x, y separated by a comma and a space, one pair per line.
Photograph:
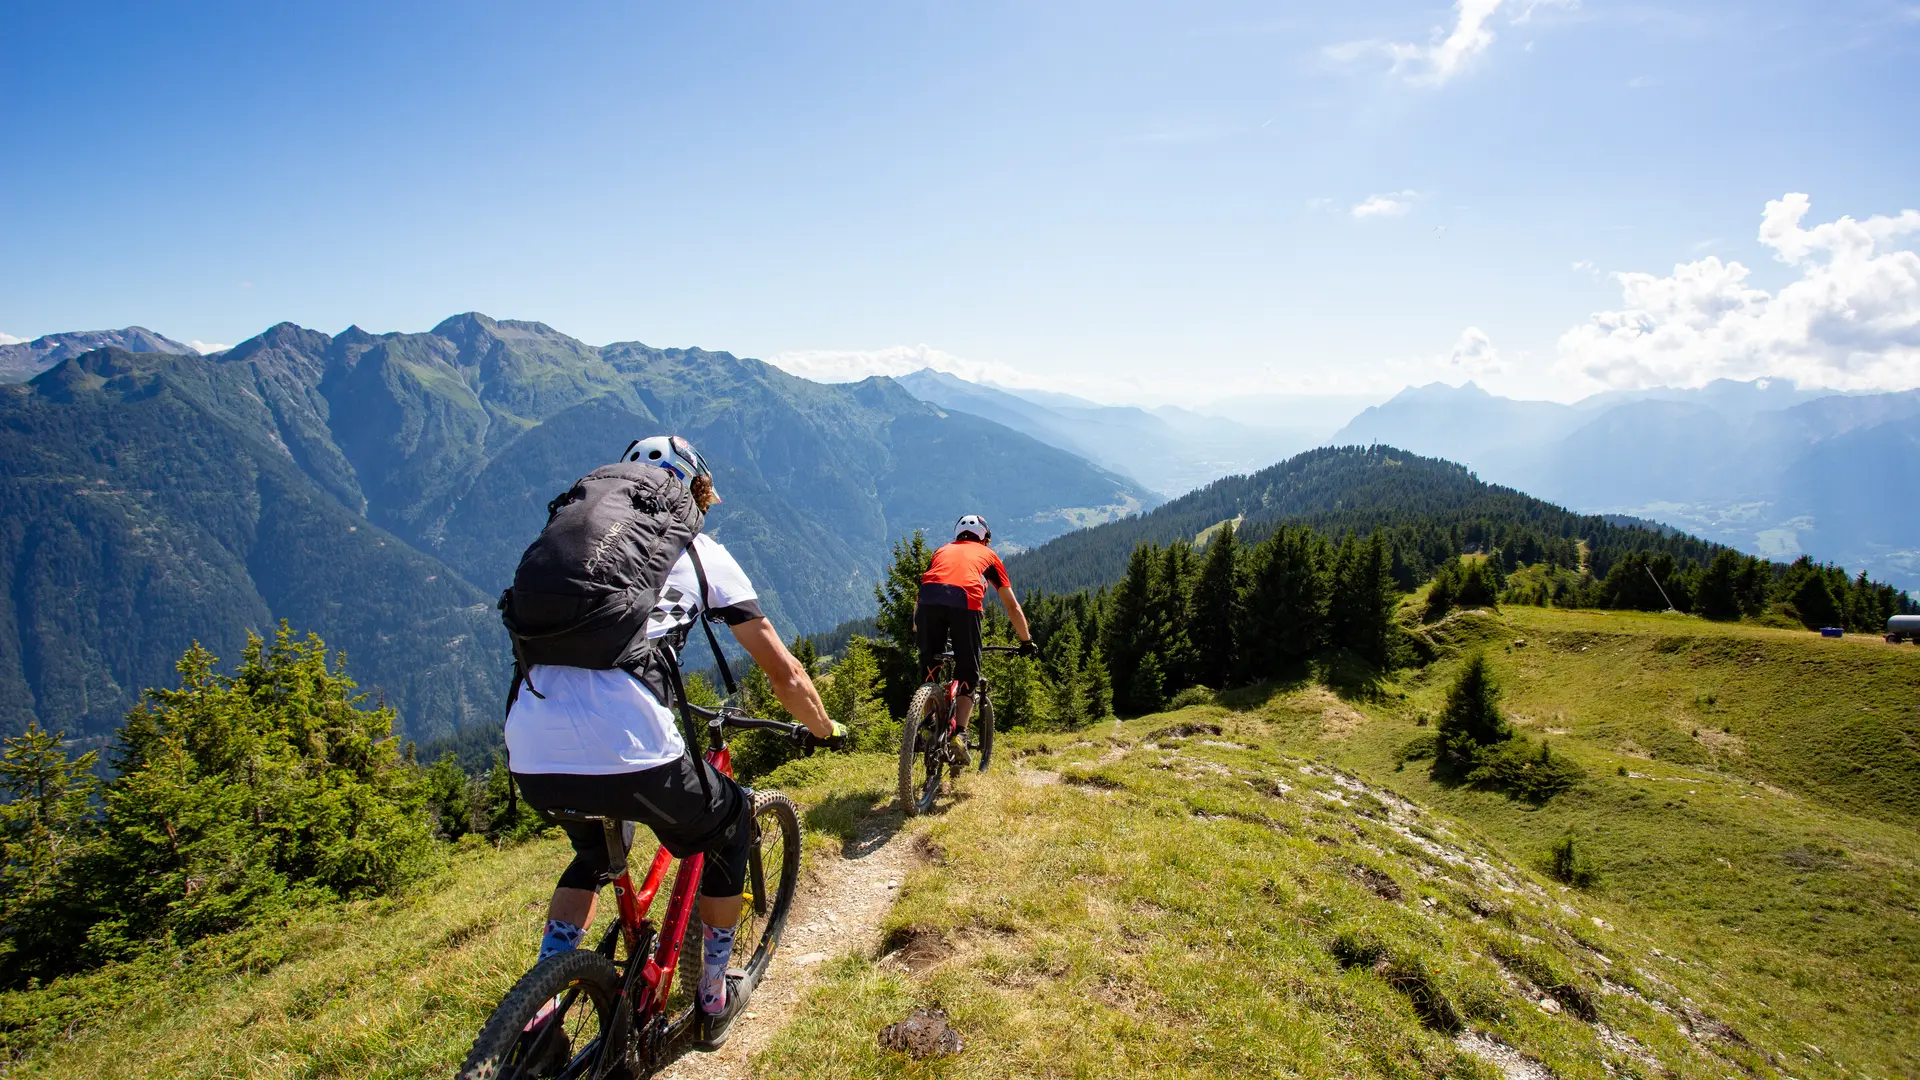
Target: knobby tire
589, 986
918, 732
983, 725
773, 875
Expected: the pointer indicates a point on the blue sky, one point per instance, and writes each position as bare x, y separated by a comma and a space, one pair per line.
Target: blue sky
1141, 202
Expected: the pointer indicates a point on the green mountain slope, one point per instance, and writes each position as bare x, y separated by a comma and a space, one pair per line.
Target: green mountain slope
378, 489
1336, 488
150, 506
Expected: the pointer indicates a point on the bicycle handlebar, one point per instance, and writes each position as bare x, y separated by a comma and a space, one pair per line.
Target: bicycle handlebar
727, 716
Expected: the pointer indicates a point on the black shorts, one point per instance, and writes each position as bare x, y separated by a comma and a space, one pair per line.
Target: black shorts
669, 800
940, 627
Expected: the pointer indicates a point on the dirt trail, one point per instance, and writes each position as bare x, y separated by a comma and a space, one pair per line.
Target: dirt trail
839, 911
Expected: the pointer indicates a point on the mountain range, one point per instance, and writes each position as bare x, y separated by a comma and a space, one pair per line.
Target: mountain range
378, 490
1167, 449
25, 359
1761, 466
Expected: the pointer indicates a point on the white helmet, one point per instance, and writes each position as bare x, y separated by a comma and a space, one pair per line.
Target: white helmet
972, 525
670, 452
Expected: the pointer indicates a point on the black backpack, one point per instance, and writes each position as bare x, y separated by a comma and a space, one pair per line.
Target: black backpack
588, 582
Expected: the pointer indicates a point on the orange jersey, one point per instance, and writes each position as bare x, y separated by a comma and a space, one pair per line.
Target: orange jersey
959, 575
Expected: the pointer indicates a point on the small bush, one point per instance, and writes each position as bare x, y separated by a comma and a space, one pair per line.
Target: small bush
1566, 865
1191, 696
1419, 748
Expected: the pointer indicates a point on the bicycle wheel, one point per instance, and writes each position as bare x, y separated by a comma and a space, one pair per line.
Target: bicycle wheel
985, 725
518, 1043
922, 756
773, 875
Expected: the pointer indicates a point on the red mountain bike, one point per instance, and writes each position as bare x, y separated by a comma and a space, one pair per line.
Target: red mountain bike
930, 742
611, 1011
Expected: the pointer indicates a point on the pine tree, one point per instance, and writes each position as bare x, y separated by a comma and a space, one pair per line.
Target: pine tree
1286, 602
1215, 611
46, 832
1360, 610
809, 657
1470, 722
1096, 685
1147, 692
1718, 596
235, 791
1064, 676
1131, 629
852, 696
1173, 599
896, 595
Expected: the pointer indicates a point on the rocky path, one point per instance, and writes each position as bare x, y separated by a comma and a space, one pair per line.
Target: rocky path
837, 912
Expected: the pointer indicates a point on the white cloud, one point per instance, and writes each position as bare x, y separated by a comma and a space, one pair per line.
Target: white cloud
203, 348
1474, 355
1390, 204
852, 365
1449, 50
1850, 320
9, 339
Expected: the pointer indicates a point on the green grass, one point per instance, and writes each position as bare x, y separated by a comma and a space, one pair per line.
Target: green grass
1762, 878
1213, 906
1288, 896
381, 989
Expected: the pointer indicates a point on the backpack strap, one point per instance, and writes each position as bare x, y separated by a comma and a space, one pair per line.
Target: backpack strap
668, 658
720, 658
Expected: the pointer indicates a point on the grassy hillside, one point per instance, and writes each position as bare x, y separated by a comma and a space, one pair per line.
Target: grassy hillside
1193, 904
1255, 887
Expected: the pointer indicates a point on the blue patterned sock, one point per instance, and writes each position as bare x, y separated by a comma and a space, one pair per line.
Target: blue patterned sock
713, 975
560, 937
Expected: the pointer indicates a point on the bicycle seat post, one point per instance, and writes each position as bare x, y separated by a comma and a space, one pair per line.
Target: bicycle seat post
616, 836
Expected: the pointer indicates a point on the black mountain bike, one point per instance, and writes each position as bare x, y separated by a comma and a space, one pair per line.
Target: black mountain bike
930, 746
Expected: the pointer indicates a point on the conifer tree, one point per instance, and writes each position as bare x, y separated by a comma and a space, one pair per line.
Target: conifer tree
1173, 601
1470, 722
46, 832
1215, 611
1096, 685
896, 594
1131, 630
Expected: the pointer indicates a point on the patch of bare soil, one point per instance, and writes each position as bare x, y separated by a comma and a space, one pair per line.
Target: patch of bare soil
1337, 719
838, 911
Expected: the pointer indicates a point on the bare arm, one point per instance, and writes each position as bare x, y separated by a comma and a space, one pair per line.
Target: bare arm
791, 684
1014, 613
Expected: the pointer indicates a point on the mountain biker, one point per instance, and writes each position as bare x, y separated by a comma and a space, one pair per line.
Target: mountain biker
951, 607
604, 742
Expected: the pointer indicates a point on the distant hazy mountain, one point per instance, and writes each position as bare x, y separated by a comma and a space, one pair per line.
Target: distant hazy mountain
378, 490
1762, 466
1168, 449
21, 362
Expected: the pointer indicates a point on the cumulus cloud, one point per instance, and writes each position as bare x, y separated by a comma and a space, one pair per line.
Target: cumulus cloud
1850, 320
204, 348
9, 339
1474, 355
1390, 204
1449, 50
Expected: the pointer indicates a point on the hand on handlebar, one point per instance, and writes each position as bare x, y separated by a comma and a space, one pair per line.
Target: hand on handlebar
808, 741
1029, 649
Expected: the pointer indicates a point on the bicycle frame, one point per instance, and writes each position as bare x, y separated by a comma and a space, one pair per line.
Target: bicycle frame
648, 985
657, 973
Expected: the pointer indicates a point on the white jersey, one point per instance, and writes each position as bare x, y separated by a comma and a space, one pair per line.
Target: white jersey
588, 721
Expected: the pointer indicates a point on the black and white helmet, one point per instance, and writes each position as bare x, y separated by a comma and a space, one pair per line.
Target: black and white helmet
972, 526
670, 452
